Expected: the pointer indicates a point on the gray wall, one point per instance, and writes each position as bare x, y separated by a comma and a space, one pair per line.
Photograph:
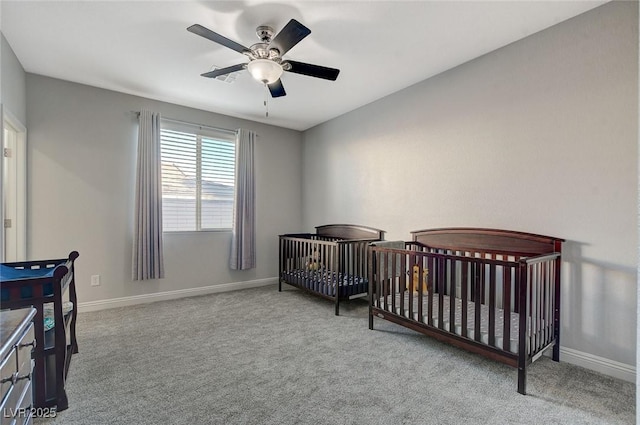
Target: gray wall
539, 136
81, 173
13, 82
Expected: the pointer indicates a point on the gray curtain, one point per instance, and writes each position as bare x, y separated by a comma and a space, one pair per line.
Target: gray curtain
243, 242
148, 262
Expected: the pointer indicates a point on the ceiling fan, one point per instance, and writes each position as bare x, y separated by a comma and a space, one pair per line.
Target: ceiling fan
266, 63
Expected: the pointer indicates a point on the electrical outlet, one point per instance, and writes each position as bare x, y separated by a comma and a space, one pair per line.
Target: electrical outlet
95, 280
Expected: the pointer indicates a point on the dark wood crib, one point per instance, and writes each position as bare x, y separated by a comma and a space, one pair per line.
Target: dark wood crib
493, 292
332, 263
46, 285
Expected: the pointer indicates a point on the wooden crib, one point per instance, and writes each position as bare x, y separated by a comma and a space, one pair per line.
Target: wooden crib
492, 292
332, 263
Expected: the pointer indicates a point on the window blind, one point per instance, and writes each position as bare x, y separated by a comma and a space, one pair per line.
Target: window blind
198, 175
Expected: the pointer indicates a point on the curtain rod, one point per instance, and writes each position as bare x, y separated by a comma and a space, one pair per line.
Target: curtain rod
225, 130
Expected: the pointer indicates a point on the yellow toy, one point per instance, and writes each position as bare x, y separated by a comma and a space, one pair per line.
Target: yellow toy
313, 265
416, 279
313, 261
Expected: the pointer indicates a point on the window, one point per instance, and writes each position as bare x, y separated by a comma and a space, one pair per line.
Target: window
198, 174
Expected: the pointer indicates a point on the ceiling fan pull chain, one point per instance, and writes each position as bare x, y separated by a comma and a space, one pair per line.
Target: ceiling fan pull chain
266, 103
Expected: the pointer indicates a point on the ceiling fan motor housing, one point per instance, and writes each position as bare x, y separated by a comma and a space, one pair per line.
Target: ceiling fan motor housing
264, 33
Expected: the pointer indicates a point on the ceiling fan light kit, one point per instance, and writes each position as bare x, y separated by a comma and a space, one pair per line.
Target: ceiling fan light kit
266, 64
265, 70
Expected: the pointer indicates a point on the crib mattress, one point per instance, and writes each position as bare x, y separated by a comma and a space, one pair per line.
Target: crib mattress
513, 318
325, 281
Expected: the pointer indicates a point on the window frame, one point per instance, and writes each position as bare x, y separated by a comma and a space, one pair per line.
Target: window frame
200, 132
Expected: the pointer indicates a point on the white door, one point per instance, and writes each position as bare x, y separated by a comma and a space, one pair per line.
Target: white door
13, 189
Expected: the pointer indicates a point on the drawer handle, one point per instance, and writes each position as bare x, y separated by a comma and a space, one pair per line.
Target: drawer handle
20, 378
32, 344
15, 378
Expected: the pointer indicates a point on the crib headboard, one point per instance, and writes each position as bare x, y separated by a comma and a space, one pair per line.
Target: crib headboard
349, 231
494, 241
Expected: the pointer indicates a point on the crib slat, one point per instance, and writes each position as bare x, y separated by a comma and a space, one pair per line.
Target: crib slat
452, 294
538, 288
402, 281
533, 294
544, 301
355, 256
375, 277
483, 295
325, 258
477, 280
533, 308
380, 277
393, 280
385, 281
362, 266
431, 262
416, 281
541, 325
441, 285
506, 305
549, 302
408, 289
541, 306
464, 289
492, 304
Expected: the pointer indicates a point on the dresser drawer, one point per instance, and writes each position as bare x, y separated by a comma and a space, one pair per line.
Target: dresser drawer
24, 347
7, 371
9, 407
25, 403
16, 345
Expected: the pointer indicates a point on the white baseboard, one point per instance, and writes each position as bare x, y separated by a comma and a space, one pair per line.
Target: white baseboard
171, 295
599, 364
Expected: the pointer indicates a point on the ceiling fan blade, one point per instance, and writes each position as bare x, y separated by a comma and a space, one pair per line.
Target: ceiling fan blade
223, 71
217, 38
277, 89
313, 70
289, 36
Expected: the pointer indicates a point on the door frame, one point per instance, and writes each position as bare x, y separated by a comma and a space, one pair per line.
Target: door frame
20, 155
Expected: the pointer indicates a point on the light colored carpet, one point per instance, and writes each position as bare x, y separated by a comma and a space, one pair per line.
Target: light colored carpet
262, 357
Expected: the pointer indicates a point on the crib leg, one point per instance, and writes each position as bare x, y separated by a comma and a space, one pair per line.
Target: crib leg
370, 320
556, 352
337, 306
522, 379
62, 403
279, 285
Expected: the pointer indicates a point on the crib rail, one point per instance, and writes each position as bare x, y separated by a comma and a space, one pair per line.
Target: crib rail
497, 304
540, 298
320, 264
308, 254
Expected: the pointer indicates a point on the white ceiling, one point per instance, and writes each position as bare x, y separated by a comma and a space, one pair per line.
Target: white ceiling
143, 47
